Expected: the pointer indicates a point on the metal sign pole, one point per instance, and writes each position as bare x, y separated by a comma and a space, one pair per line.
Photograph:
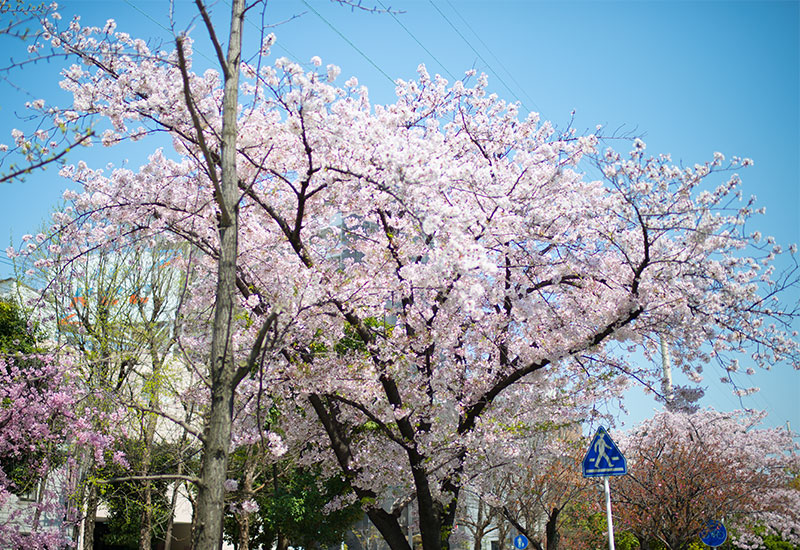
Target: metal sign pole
608, 514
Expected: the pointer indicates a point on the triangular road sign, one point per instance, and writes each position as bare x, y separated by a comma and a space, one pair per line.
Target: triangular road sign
603, 457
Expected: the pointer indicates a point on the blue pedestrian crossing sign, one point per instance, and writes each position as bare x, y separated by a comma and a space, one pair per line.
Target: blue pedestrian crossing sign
603, 457
520, 542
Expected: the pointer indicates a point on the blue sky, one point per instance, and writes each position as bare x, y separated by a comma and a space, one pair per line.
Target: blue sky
690, 78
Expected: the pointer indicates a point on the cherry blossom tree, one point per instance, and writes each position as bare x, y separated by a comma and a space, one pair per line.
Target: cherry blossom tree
39, 426
423, 281
38, 143
33, 419
685, 469
114, 314
537, 494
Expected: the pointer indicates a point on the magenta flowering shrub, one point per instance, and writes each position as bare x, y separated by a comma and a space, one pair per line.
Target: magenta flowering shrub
41, 424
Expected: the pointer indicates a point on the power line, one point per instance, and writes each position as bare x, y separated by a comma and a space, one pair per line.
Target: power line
151, 18
260, 29
8, 263
343, 37
468, 43
421, 45
499, 62
157, 22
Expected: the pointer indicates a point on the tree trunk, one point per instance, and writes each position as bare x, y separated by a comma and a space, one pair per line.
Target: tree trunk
435, 526
146, 525
430, 519
211, 489
79, 489
172, 506
247, 493
41, 485
551, 530
244, 532
389, 527
90, 519
503, 531
176, 490
387, 524
477, 543
216, 434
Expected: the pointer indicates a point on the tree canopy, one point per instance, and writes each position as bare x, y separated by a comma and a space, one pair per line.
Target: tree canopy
686, 469
417, 284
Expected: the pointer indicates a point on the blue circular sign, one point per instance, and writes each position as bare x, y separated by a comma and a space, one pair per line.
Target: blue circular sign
713, 533
520, 542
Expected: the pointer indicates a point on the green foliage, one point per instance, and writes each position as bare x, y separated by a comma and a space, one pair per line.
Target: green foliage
583, 526
625, 540
773, 542
19, 470
125, 500
293, 503
15, 334
352, 341
123, 524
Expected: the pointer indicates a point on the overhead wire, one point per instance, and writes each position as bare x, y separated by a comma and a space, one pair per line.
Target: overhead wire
348, 41
277, 44
496, 58
157, 22
421, 45
200, 52
724, 392
468, 43
9, 266
352, 45
150, 17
